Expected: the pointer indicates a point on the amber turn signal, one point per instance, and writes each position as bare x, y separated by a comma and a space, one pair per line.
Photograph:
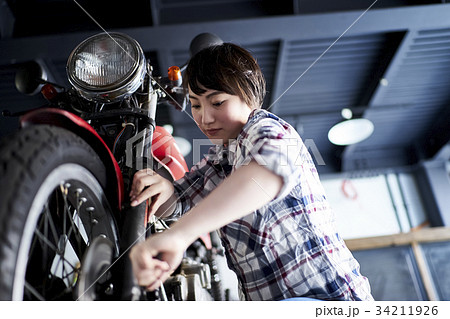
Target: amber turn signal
49, 91
174, 73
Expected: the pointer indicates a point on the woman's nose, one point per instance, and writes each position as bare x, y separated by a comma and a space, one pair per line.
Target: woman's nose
207, 116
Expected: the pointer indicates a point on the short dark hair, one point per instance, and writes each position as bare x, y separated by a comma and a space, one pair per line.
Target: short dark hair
228, 68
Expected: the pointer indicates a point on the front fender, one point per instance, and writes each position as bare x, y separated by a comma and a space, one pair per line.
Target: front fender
80, 127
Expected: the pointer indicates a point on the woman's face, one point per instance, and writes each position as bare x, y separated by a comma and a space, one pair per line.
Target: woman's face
220, 116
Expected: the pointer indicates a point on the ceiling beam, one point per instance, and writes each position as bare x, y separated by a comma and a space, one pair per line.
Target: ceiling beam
278, 76
254, 30
6, 20
435, 140
436, 143
376, 158
155, 11
397, 44
392, 69
352, 157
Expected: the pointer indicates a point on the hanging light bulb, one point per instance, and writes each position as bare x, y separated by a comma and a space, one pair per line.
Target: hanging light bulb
351, 130
184, 145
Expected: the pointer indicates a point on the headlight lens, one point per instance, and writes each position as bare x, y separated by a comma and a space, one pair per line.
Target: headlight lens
106, 67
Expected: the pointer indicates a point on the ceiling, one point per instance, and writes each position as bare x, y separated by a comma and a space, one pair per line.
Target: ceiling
388, 61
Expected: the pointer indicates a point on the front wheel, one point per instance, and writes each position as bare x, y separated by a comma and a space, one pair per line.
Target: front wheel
52, 208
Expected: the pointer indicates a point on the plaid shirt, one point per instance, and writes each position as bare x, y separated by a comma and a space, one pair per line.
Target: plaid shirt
289, 247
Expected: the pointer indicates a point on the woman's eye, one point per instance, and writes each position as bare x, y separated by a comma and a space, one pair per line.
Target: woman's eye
218, 103
195, 106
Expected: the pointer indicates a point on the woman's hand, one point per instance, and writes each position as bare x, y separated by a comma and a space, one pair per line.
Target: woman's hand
147, 184
155, 259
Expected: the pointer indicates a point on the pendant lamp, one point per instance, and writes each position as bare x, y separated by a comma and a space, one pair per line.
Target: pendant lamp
351, 130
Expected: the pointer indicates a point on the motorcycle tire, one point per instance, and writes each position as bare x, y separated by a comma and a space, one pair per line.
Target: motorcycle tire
52, 207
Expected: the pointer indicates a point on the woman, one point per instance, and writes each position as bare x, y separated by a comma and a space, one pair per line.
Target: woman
258, 185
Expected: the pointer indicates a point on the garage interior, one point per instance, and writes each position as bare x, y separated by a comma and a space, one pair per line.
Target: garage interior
387, 61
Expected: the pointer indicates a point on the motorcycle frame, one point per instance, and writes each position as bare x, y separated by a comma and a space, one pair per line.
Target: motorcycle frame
134, 218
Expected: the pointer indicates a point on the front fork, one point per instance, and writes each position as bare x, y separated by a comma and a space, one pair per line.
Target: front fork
135, 218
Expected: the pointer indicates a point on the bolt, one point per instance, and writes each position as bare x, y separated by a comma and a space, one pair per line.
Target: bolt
110, 289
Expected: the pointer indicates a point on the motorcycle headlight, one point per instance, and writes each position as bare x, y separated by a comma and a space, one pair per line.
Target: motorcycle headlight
106, 67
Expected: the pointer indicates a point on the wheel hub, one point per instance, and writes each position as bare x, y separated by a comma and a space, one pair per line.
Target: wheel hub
95, 269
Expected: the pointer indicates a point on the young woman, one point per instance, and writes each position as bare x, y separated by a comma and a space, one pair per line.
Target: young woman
258, 185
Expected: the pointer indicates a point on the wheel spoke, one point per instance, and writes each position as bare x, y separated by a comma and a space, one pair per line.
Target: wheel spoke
58, 252
61, 266
33, 291
80, 201
64, 191
45, 247
76, 231
51, 223
46, 241
78, 238
35, 238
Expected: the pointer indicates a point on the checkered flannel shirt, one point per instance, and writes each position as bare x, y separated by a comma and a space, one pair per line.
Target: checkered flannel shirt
290, 247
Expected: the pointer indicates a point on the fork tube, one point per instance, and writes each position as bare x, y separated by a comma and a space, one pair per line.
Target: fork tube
134, 227
150, 106
133, 232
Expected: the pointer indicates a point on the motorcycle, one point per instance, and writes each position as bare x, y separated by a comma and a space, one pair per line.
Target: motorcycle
66, 221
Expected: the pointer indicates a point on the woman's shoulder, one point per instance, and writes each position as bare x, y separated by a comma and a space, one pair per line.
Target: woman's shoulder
262, 122
259, 114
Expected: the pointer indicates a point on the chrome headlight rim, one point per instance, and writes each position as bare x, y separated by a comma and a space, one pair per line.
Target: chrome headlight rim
117, 90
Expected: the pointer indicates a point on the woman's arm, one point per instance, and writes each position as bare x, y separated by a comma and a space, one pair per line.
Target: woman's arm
247, 189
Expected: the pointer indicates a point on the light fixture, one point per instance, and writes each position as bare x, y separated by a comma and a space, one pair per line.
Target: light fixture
183, 144
351, 130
